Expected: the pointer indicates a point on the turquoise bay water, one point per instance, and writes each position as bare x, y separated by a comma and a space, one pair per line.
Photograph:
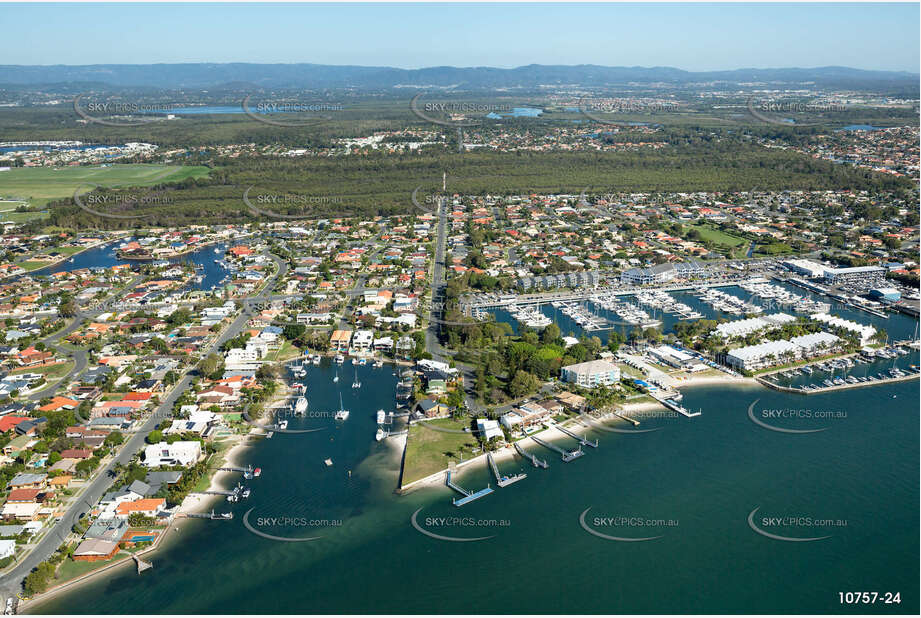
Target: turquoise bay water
707, 474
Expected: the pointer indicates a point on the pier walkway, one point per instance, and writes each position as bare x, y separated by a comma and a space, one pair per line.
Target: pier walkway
211, 515
575, 436
537, 463
567, 456
501, 480
141, 564
469, 496
671, 404
836, 387
248, 471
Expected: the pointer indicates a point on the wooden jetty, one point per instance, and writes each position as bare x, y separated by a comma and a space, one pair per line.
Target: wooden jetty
566, 456
502, 480
537, 463
582, 441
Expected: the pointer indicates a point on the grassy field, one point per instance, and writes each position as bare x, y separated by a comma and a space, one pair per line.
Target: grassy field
429, 450
39, 185
717, 236
51, 372
286, 352
8, 212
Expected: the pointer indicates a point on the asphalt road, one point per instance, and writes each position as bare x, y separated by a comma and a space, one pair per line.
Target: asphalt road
437, 296
11, 582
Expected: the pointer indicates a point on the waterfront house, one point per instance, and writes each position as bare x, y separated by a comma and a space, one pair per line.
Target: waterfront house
432, 409
592, 373
183, 453
149, 507
93, 550
488, 429
340, 340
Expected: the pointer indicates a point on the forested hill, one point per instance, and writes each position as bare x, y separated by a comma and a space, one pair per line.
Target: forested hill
329, 76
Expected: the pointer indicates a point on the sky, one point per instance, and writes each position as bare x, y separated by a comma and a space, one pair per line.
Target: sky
693, 37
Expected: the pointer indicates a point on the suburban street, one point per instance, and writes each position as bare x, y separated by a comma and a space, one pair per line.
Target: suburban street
10, 582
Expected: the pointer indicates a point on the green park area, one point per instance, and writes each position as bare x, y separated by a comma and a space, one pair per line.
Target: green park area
429, 450
39, 185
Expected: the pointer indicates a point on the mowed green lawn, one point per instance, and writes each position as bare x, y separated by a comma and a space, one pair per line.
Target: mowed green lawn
718, 236
429, 450
39, 185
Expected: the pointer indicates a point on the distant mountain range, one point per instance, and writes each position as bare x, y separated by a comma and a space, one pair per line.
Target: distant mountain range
313, 76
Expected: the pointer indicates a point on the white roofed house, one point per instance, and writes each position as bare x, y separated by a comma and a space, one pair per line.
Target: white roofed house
488, 429
362, 340
512, 420
592, 373
199, 422
383, 344
763, 355
864, 333
816, 343
182, 453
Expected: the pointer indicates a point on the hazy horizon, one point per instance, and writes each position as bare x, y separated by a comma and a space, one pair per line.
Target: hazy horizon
691, 37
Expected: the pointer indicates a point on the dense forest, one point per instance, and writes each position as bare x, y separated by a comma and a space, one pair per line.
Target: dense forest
383, 184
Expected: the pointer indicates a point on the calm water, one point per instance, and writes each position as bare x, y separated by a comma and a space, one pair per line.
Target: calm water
105, 256
517, 112
706, 473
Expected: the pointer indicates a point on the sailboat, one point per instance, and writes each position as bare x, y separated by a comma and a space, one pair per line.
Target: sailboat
342, 414
356, 383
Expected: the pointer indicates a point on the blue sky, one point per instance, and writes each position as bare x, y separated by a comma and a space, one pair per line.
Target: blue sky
694, 37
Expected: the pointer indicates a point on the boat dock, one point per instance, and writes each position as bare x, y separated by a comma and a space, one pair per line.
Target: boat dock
574, 436
141, 564
567, 456
501, 480
221, 492
537, 463
836, 387
671, 404
248, 471
211, 515
635, 422
469, 496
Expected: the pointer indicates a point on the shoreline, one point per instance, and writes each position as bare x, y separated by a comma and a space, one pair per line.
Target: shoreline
61, 259
194, 502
